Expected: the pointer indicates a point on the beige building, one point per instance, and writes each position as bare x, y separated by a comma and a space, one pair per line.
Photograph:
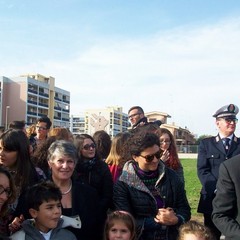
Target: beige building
110, 119
31, 96
182, 135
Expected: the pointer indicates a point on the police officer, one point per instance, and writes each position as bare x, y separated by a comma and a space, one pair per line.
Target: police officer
211, 153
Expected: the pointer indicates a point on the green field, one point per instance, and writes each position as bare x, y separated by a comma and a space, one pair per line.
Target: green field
192, 184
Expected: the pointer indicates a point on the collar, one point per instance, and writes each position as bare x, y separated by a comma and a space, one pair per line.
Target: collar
230, 137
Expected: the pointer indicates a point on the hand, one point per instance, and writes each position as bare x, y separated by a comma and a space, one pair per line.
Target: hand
165, 155
16, 224
166, 216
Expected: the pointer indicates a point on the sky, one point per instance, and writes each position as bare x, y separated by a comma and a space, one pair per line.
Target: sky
180, 57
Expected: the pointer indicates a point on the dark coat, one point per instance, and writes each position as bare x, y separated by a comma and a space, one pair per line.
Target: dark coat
131, 194
226, 204
84, 204
211, 154
97, 174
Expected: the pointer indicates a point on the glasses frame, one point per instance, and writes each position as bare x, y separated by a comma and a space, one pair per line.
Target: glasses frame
150, 158
41, 128
8, 191
88, 146
230, 120
133, 115
166, 142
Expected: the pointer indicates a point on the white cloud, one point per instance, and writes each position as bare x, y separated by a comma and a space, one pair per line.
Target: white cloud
187, 72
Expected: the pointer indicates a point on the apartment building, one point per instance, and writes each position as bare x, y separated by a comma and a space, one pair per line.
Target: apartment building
110, 119
31, 96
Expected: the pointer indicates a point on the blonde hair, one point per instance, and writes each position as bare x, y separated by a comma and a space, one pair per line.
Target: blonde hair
195, 228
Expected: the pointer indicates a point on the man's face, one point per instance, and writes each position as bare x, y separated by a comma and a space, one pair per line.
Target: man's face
226, 126
134, 116
41, 130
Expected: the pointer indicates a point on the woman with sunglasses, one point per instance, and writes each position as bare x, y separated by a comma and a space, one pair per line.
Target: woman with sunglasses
169, 148
7, 196
150, 191
91, 170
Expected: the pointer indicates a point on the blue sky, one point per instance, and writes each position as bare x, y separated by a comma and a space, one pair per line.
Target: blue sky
175, 56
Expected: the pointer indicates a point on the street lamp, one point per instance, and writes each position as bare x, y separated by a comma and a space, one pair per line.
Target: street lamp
6, 121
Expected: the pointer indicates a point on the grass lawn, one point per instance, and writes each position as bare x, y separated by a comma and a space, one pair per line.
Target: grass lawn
192, 185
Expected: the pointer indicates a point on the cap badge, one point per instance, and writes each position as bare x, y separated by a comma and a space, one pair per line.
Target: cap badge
231, 108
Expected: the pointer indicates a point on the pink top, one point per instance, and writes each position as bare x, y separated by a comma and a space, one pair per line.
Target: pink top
115, 171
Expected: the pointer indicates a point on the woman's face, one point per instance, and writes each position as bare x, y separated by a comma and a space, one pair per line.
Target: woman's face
62, 166
149, 158
89, 149
7, 158
4, 189
165, 141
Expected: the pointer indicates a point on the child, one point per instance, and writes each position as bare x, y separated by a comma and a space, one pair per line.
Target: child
193, 230
44, 205
119, 224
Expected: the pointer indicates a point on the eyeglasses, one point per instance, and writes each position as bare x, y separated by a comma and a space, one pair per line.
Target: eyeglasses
88, 146
230, 120
41, 128
165, 141
133, 115
8, 191
149, 158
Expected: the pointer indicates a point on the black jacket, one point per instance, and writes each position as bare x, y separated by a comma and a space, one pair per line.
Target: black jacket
211, 154
226, 204
131, 194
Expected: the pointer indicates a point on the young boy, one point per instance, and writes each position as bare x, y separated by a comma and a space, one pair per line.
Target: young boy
44, 204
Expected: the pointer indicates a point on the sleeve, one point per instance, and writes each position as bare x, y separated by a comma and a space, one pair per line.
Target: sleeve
181, 205
204, 169
107, 189
225, 204
122, 201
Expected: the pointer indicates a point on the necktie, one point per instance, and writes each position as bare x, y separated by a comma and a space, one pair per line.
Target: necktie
226, 143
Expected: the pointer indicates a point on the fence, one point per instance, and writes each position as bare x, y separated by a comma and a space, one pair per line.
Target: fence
187, 148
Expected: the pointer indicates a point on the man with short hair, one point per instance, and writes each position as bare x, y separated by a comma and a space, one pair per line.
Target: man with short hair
211, 153
136, 116
42, 128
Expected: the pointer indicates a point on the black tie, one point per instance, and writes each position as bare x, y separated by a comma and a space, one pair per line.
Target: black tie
226, 143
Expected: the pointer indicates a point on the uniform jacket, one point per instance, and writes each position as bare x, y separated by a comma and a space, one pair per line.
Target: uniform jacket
226, 204
211, 154
30, 232
132, 195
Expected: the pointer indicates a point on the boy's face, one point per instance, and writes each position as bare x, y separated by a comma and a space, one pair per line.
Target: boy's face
48, 215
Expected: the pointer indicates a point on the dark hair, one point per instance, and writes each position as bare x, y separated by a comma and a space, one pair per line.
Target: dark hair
17, 125
46, 120
173, 161
78, 142
140, 110
12, 187
42, 192
39, 157
141, 140
103, 143
123, 216
63, 147
196, 229
16, 140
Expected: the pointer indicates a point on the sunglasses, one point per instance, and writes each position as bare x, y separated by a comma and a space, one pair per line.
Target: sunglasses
230, 120
6, 190
88, 146
149, 158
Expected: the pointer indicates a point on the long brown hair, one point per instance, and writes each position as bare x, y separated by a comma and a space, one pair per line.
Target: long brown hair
173, 162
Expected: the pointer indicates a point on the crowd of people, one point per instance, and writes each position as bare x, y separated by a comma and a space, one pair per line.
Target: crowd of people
56, 185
